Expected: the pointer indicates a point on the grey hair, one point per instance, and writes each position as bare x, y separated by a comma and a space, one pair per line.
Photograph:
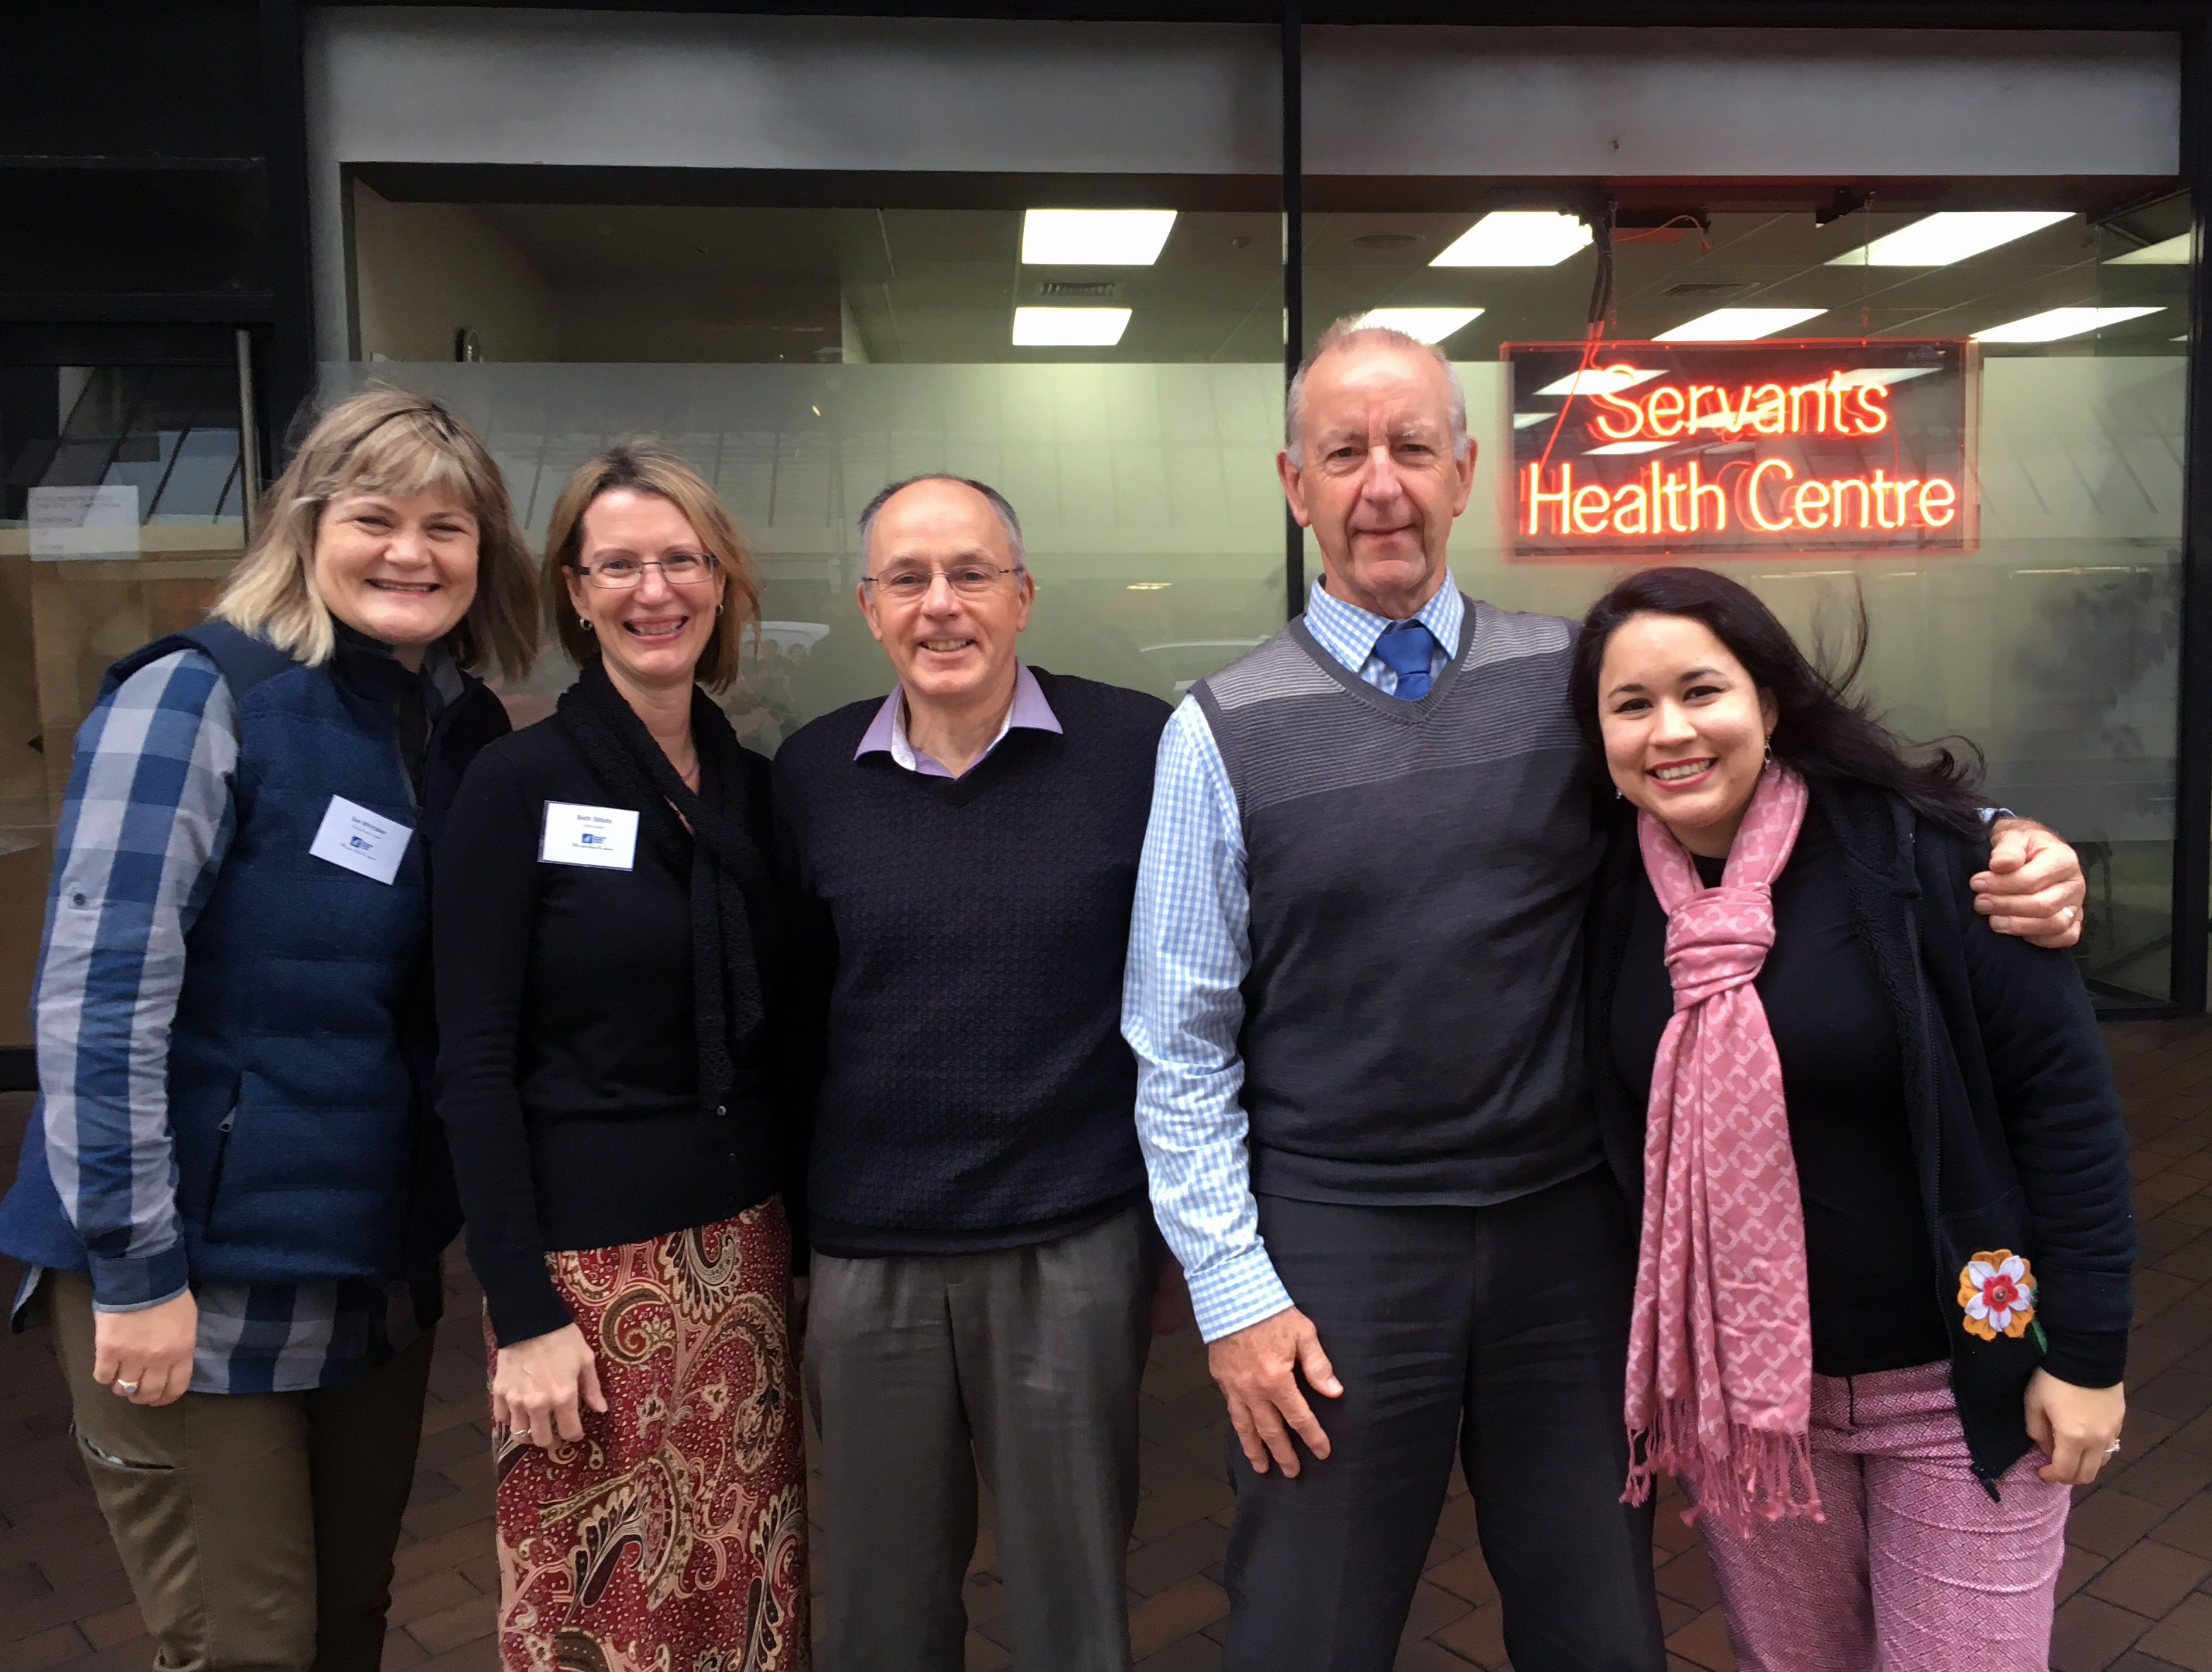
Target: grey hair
998, 504
1348, 331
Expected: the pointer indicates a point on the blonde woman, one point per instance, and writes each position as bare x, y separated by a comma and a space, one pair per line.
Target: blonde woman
232, 1196
610, 960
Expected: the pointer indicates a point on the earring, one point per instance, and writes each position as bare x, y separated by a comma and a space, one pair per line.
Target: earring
585, 624
718, 609
1770, 749
1619, 793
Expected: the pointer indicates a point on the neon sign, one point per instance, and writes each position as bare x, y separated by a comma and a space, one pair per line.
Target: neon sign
1741, 448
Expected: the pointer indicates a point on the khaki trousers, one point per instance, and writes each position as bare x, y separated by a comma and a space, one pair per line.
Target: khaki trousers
256, 1529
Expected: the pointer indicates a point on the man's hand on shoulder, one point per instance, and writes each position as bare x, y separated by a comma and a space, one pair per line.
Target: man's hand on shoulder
2033, 887
1257, 1367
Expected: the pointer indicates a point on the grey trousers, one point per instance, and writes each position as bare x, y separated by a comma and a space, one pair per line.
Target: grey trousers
1023, 1363
256, 1529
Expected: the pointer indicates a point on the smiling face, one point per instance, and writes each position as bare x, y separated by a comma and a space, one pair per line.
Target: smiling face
401, 569
1376, 478
945, 647
1685, 728
651, 634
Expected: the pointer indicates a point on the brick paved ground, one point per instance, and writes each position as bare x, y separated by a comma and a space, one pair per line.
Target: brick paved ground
2136, 1588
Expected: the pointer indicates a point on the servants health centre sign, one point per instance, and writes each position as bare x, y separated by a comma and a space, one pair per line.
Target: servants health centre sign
1720, 449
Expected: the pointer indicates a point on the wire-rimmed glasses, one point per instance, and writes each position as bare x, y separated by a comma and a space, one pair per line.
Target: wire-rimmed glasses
909, 583
678, 568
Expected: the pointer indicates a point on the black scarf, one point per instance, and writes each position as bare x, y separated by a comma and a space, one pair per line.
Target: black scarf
636, 771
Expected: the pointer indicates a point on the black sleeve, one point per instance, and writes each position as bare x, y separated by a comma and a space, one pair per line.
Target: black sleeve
484, 912
2062, 1115
791, 1094
812, 966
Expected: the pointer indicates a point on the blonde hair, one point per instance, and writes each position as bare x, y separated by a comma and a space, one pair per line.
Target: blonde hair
387, 441
646, 465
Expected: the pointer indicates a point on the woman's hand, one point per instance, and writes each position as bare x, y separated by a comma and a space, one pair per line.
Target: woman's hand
535, 1385
2077, 1427
146, 1356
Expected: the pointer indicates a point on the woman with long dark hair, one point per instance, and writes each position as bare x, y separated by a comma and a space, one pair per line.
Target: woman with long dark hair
1882, 1291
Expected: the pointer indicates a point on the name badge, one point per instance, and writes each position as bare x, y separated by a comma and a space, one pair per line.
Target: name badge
577, 835
357, 840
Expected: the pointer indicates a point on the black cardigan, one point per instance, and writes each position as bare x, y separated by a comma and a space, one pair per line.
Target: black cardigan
568, 1073
2016, 1124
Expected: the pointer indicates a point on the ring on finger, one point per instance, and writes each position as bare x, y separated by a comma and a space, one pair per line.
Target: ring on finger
2113, 1450
127, 1389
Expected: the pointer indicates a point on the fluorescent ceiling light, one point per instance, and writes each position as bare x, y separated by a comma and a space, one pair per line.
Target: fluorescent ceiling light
1093, 237
1629, 447
1517, 238
1738, 325
2170, 252
1422, 325
1885, 374
1604, 380
1937, 241
2053, 324
1069, 327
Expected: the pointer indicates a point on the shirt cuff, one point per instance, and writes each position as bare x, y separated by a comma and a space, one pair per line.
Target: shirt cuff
1236, 1292
131, 1283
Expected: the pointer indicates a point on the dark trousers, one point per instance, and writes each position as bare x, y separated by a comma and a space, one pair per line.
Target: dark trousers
1023, 1363
256, 1529
1502, 1330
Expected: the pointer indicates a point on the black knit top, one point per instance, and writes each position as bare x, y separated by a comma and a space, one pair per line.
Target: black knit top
569, 1066
1867, 1250
963, 941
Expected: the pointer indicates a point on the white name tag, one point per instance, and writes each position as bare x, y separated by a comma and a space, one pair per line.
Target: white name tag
577, 835
360, 840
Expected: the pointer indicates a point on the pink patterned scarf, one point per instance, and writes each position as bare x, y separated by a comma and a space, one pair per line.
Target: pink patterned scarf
1720, 1349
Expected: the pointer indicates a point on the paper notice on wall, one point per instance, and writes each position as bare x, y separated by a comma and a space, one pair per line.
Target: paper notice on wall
78, 524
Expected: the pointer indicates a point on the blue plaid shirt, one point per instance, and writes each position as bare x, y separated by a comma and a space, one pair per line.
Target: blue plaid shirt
145, 824
1182, 1002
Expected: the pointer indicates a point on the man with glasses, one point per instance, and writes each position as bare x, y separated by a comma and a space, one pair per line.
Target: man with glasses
984, 1260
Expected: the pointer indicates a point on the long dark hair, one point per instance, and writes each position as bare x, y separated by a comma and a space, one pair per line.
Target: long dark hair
1822, 727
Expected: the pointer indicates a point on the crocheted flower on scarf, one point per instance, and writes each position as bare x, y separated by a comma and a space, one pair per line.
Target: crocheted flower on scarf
1996, 1290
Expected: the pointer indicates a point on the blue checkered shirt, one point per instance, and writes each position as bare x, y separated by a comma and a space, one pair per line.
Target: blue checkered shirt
1182, 1002
145, 824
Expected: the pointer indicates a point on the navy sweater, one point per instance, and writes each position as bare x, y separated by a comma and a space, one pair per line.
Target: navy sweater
963, 941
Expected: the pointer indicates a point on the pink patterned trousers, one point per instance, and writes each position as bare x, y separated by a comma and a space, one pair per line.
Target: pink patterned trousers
1915, 1570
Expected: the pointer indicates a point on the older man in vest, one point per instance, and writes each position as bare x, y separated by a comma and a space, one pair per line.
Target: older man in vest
1353, 995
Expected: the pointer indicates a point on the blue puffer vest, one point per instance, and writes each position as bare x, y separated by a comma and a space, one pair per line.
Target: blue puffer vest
301, 1056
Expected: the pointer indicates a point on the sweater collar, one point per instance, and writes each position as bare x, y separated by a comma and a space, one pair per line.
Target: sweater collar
887, 733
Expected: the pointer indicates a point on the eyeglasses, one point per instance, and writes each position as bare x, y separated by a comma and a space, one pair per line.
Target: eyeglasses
911, 586
678, 568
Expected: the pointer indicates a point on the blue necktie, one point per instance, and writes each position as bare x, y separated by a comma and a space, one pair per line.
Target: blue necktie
1404, 648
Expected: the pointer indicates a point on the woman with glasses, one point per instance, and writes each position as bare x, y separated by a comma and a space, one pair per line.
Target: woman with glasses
609, 960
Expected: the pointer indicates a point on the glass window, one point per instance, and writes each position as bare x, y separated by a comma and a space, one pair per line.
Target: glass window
118, 518
2031, 352
1109, 358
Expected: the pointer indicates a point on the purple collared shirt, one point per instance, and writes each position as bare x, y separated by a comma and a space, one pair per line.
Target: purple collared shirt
886, 733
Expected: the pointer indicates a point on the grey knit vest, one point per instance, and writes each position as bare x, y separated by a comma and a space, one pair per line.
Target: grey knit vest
1417, 874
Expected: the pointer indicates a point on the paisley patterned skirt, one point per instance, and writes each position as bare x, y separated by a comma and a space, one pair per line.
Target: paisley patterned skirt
673, 1536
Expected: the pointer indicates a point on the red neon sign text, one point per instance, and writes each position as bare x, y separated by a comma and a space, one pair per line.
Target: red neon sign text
1832, 407
1689, 450
1766, 497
